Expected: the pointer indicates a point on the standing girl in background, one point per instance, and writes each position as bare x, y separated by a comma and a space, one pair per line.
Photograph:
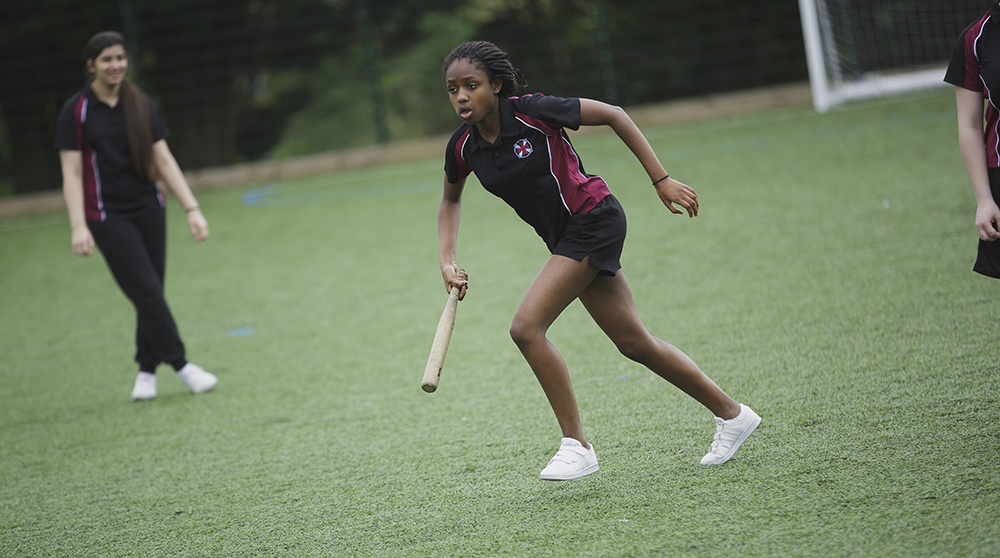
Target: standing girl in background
112, 149
519, 151
974, 70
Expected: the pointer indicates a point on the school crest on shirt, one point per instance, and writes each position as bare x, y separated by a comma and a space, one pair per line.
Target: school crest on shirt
522, 148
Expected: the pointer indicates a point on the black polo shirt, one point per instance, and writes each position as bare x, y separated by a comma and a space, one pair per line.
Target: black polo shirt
975, 65
532, 164
112, 189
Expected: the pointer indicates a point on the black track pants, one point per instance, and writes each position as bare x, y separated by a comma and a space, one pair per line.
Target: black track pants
136, 253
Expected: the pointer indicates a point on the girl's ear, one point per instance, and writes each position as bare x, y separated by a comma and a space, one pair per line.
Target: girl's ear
90, 65
497, 85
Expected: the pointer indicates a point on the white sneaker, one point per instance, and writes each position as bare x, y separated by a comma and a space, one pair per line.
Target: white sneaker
145, 386
572, 461
729, 434
196, 378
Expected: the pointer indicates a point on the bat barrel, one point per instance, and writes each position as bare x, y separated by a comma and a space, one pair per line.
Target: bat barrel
442, 337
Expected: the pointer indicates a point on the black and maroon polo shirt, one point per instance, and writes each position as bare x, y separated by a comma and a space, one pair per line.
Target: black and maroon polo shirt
111, 188
532, 164
975, 65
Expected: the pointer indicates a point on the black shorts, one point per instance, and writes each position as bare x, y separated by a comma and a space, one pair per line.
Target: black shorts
599, 233
988, 259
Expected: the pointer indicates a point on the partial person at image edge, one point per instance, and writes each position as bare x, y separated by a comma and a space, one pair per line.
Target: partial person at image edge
974, 70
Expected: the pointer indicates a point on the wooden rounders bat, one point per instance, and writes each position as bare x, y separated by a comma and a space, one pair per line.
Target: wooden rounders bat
435, 362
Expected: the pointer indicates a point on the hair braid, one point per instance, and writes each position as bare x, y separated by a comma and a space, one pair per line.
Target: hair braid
490, 59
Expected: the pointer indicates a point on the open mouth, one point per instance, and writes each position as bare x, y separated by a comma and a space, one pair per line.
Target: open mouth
464, 112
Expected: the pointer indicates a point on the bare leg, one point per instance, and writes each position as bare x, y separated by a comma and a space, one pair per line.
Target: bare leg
609, 302
560, 281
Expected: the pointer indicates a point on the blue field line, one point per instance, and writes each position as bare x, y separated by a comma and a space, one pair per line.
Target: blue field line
270, 195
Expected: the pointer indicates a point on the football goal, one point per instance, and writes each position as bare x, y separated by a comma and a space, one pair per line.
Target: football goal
860, 49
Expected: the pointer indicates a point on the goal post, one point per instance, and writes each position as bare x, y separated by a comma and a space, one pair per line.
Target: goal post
862, 49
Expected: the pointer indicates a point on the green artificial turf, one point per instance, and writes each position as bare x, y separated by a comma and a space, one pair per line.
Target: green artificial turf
827, 283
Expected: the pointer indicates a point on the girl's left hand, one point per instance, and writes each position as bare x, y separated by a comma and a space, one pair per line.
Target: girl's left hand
672, 191
988, 221
198, 224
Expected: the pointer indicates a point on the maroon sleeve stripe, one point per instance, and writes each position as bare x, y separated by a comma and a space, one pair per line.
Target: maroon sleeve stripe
463, 165
93, 203
972, 65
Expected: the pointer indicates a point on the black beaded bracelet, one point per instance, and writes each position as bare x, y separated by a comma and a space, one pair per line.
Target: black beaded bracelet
661, 180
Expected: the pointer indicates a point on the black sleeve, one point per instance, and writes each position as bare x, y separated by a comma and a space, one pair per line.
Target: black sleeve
66, 134
559, 111
455, 167
963, 68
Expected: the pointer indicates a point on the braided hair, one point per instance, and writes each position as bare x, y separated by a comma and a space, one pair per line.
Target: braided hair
490, 59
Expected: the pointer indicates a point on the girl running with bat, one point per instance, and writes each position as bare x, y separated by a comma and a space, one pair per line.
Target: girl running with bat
113, 150
520, 152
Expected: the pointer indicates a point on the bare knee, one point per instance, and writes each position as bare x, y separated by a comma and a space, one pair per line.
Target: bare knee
524, 332
637, 347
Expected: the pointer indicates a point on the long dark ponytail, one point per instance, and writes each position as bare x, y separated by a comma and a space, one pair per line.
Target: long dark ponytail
135, 109
489, 58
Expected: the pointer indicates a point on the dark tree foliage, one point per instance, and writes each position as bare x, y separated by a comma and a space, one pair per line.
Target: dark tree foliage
660, 50
42, 67
206, 63
196, 58
201, 60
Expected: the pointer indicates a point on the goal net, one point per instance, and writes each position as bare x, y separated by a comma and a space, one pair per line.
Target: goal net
860, 49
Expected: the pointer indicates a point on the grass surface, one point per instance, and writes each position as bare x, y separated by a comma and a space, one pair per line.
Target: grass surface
827, 283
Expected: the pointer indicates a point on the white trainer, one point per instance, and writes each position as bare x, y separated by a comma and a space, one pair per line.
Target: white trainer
572, 461
196, 378
145, 386
730, 434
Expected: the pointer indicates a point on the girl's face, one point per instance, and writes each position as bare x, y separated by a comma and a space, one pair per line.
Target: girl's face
470, 91
110, 66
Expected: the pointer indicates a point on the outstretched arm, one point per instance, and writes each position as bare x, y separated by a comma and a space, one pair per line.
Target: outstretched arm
973, 148
171, 174
448, 217
596, 113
